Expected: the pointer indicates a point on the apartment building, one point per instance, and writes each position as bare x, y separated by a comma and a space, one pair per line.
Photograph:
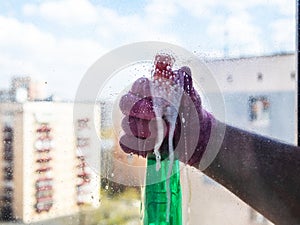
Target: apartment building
43, 170
259, 93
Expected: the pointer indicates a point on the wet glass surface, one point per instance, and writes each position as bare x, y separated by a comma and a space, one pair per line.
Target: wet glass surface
47, 46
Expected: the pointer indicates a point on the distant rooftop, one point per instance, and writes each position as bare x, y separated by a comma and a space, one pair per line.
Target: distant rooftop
275, 54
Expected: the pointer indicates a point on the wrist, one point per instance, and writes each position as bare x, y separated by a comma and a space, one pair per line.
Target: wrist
206, 125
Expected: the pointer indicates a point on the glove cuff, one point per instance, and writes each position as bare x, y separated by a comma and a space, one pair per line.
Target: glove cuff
206, 124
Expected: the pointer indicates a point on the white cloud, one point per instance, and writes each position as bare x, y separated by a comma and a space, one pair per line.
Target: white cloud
237, 34
230, 23
63, 60
199, 9
145, 25
111, 27
243, 35
62, 57
159, 12
284, 33
207, 7
150, 24
67, 12
286, 7
30, 9
25, 49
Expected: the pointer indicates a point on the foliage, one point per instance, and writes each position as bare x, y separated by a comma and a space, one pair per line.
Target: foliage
123, 207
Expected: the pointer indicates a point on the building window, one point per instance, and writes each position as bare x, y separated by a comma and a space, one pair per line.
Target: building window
83, 144
229, 78
43, 145
259, 76
293, 75
44, 205
259, 110
8, 171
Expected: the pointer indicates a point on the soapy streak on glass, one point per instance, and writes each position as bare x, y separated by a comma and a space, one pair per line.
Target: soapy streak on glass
173, 95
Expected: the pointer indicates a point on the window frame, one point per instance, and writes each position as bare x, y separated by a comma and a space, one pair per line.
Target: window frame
297, 69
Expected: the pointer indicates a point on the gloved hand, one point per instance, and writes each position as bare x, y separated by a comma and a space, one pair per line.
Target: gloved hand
143, 106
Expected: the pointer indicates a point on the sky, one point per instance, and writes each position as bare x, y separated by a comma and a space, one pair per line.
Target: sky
57, 41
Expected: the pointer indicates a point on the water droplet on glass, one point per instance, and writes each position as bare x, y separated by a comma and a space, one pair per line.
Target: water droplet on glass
130, 158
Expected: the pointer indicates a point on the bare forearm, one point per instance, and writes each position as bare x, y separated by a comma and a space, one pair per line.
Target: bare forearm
262, 172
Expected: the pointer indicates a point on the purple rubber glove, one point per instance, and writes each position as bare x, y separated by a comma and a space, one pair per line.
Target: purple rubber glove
193, 123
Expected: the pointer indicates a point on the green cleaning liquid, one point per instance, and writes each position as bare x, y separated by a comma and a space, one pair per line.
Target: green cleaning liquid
162, 194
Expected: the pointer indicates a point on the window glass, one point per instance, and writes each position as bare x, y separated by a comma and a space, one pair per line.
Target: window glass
47, 157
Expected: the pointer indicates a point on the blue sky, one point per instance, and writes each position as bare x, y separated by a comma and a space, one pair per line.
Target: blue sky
57, 41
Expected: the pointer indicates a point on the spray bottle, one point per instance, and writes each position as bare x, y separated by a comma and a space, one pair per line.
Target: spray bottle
162, 192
